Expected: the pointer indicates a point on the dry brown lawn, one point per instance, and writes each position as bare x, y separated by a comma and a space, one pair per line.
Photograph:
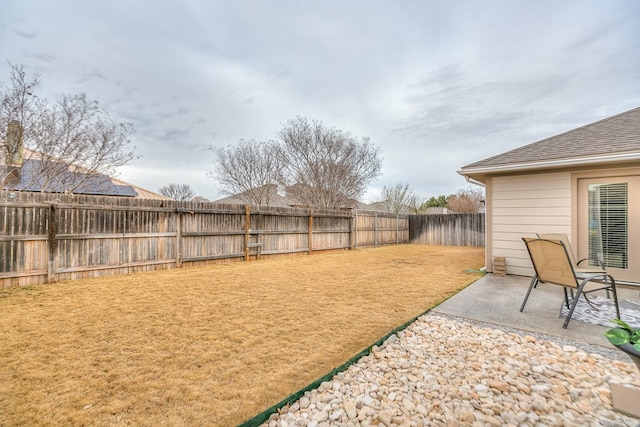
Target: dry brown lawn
213, 345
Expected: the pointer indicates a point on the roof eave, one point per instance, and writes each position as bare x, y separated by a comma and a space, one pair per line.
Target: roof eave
550, 164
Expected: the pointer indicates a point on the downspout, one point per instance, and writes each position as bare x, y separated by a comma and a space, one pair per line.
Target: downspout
473, 181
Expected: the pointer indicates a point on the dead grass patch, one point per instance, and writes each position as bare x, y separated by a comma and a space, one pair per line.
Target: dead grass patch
211, 345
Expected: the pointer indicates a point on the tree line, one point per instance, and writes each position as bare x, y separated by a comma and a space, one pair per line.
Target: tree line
401, 198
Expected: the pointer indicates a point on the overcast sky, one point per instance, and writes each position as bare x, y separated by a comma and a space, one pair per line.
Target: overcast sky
436, 84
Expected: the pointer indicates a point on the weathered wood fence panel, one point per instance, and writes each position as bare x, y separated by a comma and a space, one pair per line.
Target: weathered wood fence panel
26, 251
52, 237
108, 237
331, 232
380, 228
204, 233
447, 229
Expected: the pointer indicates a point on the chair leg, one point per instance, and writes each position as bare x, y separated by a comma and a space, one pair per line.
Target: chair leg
610, 288
574, 303
606, 284
614, 291
573, 307
566, 296
533, 284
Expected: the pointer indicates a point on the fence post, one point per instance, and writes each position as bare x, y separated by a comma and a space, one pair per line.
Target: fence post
375, 229
351, 229
355, 230
247, 231
310, 232
51, 243
128, 241
179, 219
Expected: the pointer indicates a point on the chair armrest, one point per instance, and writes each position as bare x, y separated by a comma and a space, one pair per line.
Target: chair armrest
600, 262
604, 278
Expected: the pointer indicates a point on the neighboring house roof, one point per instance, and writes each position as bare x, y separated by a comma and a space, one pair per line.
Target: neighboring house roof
141, 193
438, 211
614, 139
29, 177
383, 207
375, 206
281, 197
276, 197
25, 169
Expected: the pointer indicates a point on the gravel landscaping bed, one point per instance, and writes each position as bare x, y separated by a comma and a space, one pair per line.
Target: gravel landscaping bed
444, 371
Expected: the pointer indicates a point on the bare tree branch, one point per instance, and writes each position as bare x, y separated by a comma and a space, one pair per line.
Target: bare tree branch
469, 200
249, 170
325, 167
399, 198
67, 143
321, 167
180, 192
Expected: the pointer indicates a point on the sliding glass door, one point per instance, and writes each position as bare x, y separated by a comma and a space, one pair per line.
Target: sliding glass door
608, 224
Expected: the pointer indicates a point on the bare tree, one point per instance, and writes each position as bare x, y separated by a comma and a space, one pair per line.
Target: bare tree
249, 170
468, 200
180, 192
60, 146
414, 205
399, 198
326, 168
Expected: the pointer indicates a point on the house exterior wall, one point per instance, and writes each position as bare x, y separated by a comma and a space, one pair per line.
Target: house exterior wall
521, 206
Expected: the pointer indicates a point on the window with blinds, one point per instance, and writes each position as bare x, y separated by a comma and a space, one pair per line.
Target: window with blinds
608, 225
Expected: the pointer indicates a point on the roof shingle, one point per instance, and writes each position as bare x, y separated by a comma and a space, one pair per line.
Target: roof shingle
614, 135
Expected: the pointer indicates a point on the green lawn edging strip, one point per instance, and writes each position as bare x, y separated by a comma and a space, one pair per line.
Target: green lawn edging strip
264, 416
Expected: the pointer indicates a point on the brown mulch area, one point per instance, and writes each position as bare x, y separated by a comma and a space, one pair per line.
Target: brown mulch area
212, 345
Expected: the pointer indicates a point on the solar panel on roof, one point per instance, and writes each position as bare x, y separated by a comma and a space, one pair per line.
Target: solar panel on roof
56, 177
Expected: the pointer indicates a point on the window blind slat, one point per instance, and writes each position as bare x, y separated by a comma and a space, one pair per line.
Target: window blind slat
608, 224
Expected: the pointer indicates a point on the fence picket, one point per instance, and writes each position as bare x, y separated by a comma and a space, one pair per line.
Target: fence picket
447, 229
53, 237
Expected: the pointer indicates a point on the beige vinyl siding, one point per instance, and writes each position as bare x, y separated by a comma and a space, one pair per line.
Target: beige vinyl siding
524, 205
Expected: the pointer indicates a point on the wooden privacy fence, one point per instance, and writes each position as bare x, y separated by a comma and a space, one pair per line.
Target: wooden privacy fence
447, 229
52, 237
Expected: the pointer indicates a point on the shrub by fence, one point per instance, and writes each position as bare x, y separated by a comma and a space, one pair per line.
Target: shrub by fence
52, 237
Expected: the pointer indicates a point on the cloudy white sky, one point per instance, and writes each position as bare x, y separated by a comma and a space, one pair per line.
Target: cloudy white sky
436, 84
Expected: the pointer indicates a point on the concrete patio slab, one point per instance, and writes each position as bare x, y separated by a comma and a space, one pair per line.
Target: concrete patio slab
497, 299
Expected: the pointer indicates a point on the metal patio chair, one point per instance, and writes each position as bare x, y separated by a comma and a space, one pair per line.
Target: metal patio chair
580, 271
553, 264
